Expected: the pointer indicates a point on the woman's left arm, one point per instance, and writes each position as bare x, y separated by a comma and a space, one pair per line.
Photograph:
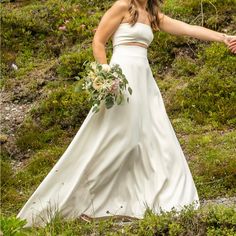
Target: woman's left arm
177, 27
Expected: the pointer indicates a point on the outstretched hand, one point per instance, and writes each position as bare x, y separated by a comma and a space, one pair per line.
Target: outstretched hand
230, 41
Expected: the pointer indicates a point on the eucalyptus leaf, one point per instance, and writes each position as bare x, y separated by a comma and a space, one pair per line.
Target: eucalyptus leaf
119, 99
130, 90
95, 109
109, 102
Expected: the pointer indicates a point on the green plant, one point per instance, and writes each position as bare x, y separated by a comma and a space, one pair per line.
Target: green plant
12, 226
209, 95
72, 63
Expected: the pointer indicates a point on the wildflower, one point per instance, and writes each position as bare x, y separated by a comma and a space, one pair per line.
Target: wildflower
63, 27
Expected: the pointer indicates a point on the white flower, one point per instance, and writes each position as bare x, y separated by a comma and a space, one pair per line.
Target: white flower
91, 75
62, 27
97, 83
115, 74
106, 67
93, 65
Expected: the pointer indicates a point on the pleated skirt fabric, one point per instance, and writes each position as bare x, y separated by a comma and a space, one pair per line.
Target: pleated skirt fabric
121, 161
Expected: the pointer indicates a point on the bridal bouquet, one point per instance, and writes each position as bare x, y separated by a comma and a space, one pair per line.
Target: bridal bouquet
104, 83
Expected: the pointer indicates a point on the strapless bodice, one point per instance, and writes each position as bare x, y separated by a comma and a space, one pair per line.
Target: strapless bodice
126, 33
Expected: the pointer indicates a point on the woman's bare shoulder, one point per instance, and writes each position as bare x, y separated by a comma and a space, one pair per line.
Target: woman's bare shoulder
121, 4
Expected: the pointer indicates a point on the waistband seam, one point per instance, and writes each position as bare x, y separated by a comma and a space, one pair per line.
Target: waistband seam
136, 51
125, 45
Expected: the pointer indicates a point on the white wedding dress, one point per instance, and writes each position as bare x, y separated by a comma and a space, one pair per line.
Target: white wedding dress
123, 159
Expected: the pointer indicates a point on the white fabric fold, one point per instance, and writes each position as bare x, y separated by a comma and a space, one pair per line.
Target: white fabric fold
121, 160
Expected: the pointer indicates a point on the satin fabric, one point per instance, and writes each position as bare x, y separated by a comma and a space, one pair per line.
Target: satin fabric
127, 33
121, 161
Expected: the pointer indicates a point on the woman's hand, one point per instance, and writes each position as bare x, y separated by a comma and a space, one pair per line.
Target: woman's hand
230, 41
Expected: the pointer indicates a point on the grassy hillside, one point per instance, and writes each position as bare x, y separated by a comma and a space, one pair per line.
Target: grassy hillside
43, 47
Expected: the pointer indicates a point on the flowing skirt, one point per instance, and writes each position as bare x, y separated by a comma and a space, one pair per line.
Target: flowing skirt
121, 161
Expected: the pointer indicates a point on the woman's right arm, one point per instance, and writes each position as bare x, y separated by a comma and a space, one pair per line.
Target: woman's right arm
176, 27
108, 24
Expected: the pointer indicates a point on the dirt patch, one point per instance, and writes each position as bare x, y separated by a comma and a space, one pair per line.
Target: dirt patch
12, 116
230, 202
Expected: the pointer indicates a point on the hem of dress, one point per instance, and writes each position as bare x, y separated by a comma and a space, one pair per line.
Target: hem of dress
125, 218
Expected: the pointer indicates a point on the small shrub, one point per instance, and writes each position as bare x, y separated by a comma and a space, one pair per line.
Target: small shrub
210, 95
213, 164
62, 107
12, 226
211, 231
32, 136
60, 113
161, 51
72, 63
6, 172
184, 66
38, 167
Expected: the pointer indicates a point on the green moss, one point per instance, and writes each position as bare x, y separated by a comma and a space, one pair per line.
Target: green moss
63, 107
205, 221
220, 178
161, 51
184, 66
59, 115
33, 30
212, 162
18, 186
197, 81
209, 95
72, 63
6, 172
210, 155
38, 167
12, 226
34, 136
40, 16
209, 13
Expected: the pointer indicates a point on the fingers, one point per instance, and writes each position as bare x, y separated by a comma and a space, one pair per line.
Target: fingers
232, 49
228, 39
232, 45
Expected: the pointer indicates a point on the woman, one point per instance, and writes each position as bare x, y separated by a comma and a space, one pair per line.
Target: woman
125, 159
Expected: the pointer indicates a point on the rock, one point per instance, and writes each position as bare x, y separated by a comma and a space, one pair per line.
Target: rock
14, 66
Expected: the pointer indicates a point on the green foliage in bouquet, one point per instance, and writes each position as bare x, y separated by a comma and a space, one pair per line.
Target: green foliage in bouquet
105, 84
